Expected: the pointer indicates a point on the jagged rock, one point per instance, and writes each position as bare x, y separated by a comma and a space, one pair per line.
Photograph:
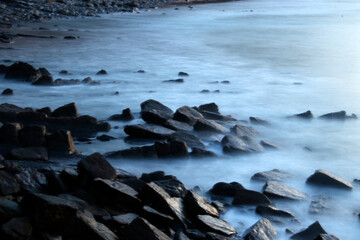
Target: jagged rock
216, 225
341, 115
180, 236
226, 189
199, 205
241, 131
215, 236
96, 166
68, 110
191, 140
172, 186
32, 136
20, 70
235, 145
259, 121
126, 115
201, 153
8, 184
188, 115
8, 210
31, 180
144, 131
195, 234
9, 133
261, 230
249, 197
7, 92
155, 112
273, 175
311, 232
305, 115
210, 107
178, 148
60, 142
327, 237
324, 178
275, 189
29, 153
209, 125
55, 184
17, 228
266, 210
219, 206
156, 218
141, 229
177, 125
134, 152
125, 219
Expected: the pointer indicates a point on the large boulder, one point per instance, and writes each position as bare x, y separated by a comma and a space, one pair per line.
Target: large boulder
216, 225
29, 153
155, 112
8, 184
188, 115
273, 175
249, 197
226, 189
261, 230
60, 143
311, 232
198, 205
42, 77
274, 189
141, 229
172, 186
210, 126
32, 136
68, 110
324, 178
20, 70
96, 166
236, 145
144, 131
17, 228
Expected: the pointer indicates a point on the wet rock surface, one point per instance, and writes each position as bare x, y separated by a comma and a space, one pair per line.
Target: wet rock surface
311, 232
274, 189
273, 175
262, 230
324, 178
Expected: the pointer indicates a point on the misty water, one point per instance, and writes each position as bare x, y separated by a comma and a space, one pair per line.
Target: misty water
281, 58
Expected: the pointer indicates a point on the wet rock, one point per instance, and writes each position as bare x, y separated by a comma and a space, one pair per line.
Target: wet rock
176, 125
178, 149
42, 77
195, 234
311, 232
275, 189
241, 131
70, 177
158, 219
144, 131
141, 229
199, 205
21, 71
219, 206
341, 115
273, 175
261, 230
88, 80
134, 152
125, 219
201, 153
8, 184
216, 225
327, 237
45, 110
152, 104
173, 187
249, 197
217, 117
183, 74
305, 115
191, 140
210, 107
209, 125
9, 133
266, 210
179, 80
215, 236
154, 176
259, 121
226, 189
8, 210
126, 115
180, 236
155, 112
268, 145
324, 178
17, 228
188, 115
96, 166
60, 143
235, 145
8, 91
104, 138
102, 72
29, 153
31, 181
68, 110
30, 136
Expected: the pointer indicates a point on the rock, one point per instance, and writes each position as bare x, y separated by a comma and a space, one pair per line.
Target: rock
219, 206
259, 121
195, 234
155, 112
311, 232
261, 230
198, 205
241, 131
68, 110
32, 136
134, 152
102, 72
191, 140
249, 197
8, 91
8, 210
20, 70
209, 125
210, 107
69, 37
183, 74
17, 228
178, 149
31, 181
266, 211
141, 229
215, 116
29, 153
60, 143
154, 176
8, 184
180, 236
96, 166
152, 104
45, 110
318, 205
49, 213
9, 133
275, 189
324, 178
104, 138
188, 115
126, 115
327, 237
305, 115
158, 219
64, 72
341, 115
273, 175
144, 131
205, 91
55, 184
201, 153
235, 145
226, 189
216, 225
215, 236
176, 125
179, 80
125, 219
70, 177
87, 80
268, 145
42, 77
172, 186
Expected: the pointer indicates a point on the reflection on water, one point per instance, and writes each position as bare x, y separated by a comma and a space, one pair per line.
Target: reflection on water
262, 47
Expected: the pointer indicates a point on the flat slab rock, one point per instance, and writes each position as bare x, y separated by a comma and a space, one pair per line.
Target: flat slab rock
141, 229
249, 197
216, 225
324, 178
274, 189
273, 175
145, 131
266, 210
199, 205
236, 145
210, 126
261, 230
96, 166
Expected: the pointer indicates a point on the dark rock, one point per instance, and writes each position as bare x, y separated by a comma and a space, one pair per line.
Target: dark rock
8, 184
68, 110
44, 80
60, 143
135, 152
55, 184
275, 189
104, 138
215, 236
8, 210
183, 74
268, 145
191, 140
96, 166
152, 104
172, 186
101, 72
17, 228
154, 176
259, 121
226, 189
32, 136
327, 237
266, 210
176, 125
70, 177
69, 37
241, 131
205, 91
125, 219
20, 70
141, 229
29, 153
249, 197
158, 219
201, 153
155, 112
195, 234
179, 80
141, 71
311, 232
64, 72
134, 183
3, 68
178, 148
144, 131
324, 178
180, 236
305, 115
216, 116
126, 115
273, 175
261, 230
31, 180
341, 115
219, 206
209, 125
9, 133
45, 110
235, 145
210, 107
198, 205
7, 91
216, 225
31, 117
87, 80
43, 74
188, 115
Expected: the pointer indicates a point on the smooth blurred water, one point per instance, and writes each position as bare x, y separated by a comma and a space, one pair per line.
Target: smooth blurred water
263, 47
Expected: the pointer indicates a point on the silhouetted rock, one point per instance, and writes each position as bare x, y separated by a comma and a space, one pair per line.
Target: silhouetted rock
8, 91
126, 115
179, 80
20, 70
60, 143
226, 189
261, 230
269, 211
104, 138
29, 153
144, 131
249, 197
305, 115
8, 210
183, 74
17, 228
68, 110
96, 166
8, 184
30, 136
275, 189
324, 178
341, 115
311, 232
102, 72
9, 133
327, 237
198, 205
216, 225
141, 229
273, 175
201, 153
188, 115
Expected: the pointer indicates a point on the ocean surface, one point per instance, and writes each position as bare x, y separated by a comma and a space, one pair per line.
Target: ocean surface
281, 58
